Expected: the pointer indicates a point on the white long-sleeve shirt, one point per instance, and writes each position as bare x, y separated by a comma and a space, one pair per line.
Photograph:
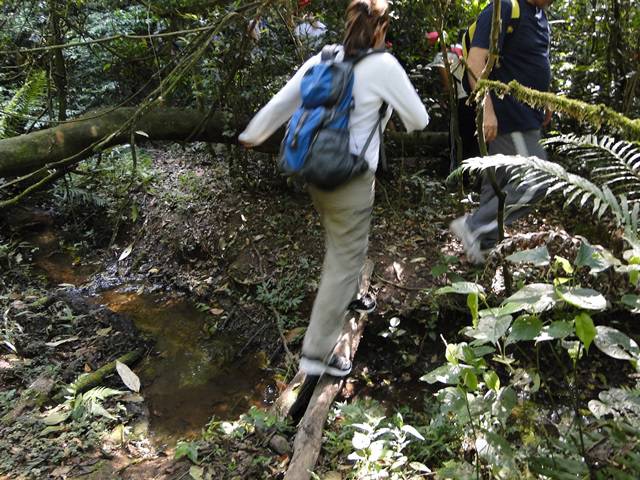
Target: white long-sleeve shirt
377, 78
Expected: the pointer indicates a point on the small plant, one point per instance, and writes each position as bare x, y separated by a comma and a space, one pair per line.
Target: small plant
492, 393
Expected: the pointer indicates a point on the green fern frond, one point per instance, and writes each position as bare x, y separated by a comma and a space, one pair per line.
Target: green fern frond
610, 162
100, 393
25, 99
534, 172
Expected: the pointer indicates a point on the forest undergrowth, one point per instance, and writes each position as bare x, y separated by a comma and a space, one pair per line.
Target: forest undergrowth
454, 378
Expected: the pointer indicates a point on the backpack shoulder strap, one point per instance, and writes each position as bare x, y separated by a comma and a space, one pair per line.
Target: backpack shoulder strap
329, 52
513, 24
365, 54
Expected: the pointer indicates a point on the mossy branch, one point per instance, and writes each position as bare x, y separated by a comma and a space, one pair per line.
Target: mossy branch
596, 115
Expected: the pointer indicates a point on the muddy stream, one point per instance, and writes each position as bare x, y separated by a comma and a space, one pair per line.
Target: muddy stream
189, 375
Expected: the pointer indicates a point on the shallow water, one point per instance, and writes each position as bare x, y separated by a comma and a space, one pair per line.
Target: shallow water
190, 375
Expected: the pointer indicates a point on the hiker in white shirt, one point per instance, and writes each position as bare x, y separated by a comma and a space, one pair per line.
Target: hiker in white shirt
345, 212
310, 31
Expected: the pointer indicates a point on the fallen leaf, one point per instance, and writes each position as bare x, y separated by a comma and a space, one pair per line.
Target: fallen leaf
397, 268
196, 472
129, 378
126, 252
60, 342
103, 332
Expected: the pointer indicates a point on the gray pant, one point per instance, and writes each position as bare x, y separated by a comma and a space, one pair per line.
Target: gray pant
483, 222
345, 214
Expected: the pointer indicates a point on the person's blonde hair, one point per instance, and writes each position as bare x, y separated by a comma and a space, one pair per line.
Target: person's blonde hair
365, 18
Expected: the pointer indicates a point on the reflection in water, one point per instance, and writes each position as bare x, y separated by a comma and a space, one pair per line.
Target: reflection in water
56, 263
189, 377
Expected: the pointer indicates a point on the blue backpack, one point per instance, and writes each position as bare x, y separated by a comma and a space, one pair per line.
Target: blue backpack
316, 144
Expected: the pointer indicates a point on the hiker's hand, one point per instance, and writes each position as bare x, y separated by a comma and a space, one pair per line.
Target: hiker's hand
243, 141
547, 117
490, 121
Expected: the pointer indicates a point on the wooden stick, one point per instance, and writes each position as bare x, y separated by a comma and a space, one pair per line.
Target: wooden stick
308, 439
89, 380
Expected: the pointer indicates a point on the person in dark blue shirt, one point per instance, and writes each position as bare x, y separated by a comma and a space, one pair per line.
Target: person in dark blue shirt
510, 127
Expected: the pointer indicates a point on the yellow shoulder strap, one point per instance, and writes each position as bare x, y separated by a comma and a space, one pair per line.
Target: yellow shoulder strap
515, 14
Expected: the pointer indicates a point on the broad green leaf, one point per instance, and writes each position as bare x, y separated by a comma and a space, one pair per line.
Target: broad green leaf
419, 467
376, 449
585, 298
463, 288
490, 329
525, 327
505, 309
444, 374
539, 257
616, 344
470, 380
592, 258
360, 440
632, 301
492, 380
558, 329
505, 402
472, 303
186, 449
534, 298
56, 417
412, 431
453, 353
599, 409
564, 264
585, 329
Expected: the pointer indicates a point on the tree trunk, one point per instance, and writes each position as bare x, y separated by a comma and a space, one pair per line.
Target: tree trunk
58, 69
25, 153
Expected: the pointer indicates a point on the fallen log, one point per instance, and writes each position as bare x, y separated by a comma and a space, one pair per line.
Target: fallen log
306, 446
89, 380
44, 148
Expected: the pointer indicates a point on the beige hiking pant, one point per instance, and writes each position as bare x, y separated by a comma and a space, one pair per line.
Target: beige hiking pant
345, 214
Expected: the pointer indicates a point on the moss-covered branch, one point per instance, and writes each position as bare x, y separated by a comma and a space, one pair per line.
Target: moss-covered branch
596, 115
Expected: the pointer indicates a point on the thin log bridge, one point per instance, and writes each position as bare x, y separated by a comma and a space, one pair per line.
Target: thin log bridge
306, 446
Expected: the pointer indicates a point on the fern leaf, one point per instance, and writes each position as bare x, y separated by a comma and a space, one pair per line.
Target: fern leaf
23, 102
534, 171
612, 162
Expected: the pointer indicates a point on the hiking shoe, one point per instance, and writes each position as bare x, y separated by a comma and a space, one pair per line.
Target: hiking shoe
337, 366
470, 243
365, 304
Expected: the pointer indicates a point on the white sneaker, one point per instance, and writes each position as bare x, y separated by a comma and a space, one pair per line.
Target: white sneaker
470, 243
